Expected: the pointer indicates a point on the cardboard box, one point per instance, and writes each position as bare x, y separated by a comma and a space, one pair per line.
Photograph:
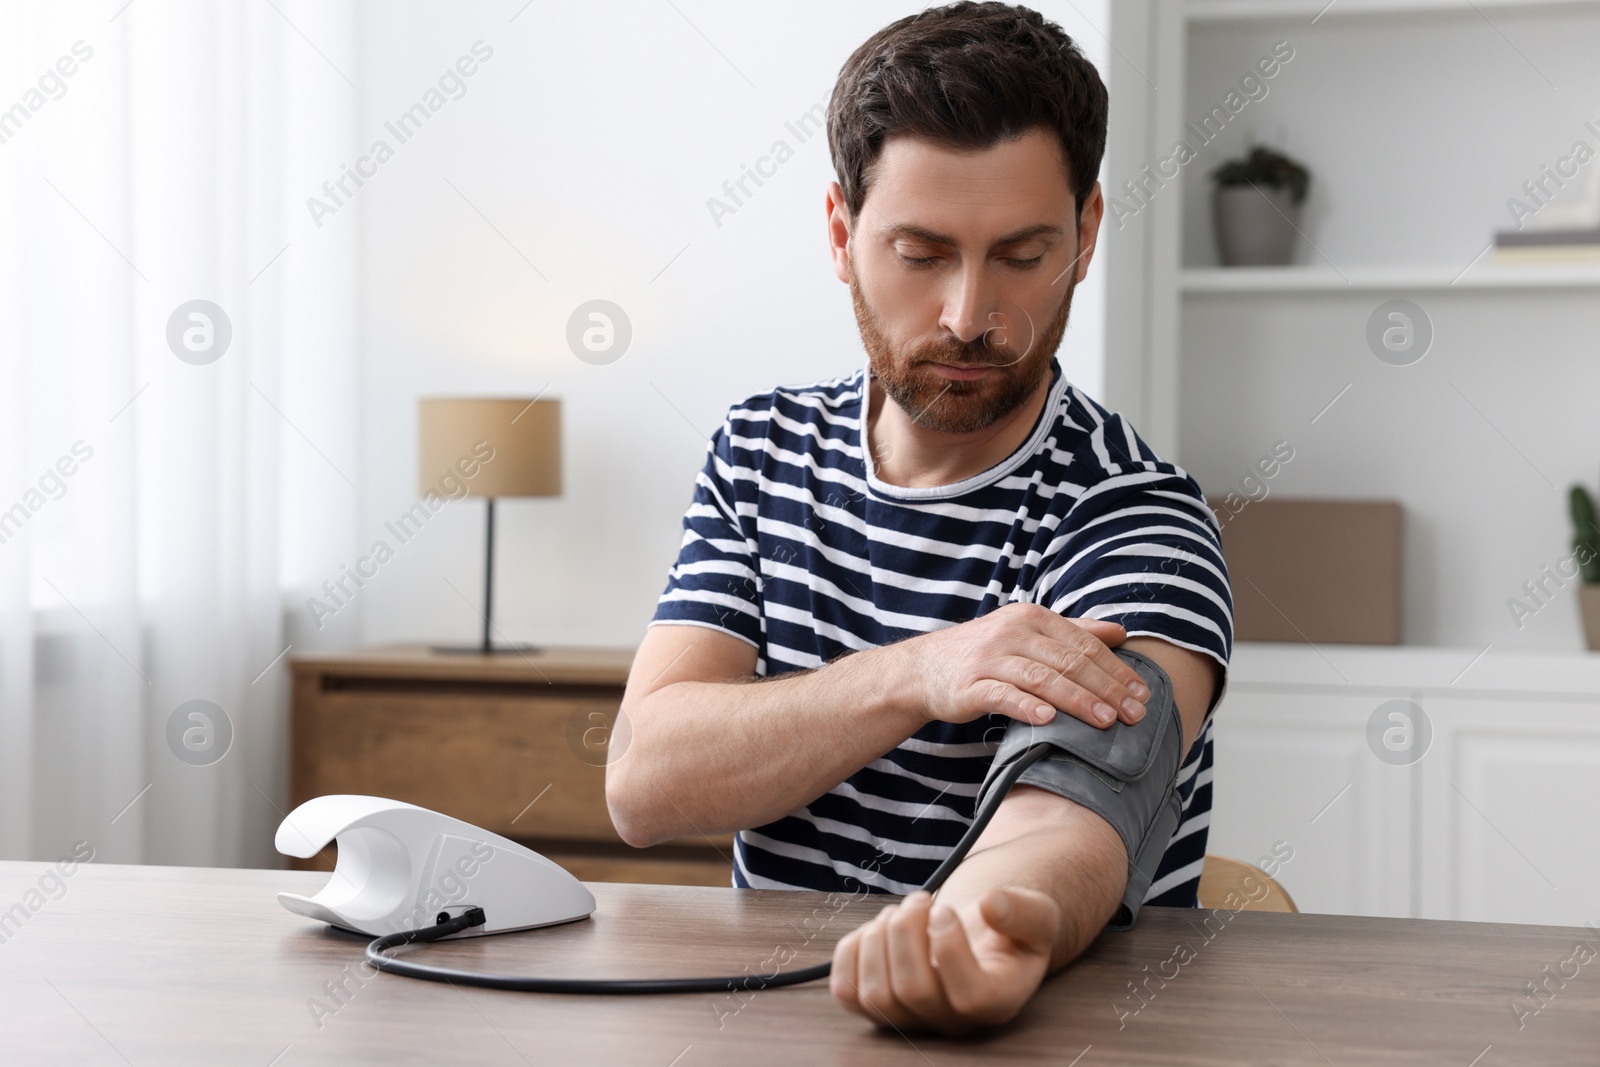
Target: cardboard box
1318, 571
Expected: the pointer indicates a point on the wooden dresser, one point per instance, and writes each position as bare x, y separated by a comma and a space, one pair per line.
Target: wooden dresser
515, 744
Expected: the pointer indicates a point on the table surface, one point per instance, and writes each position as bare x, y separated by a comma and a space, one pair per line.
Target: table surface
554, 665
165, 965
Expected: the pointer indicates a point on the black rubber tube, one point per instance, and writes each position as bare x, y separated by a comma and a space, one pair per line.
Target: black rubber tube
529, 984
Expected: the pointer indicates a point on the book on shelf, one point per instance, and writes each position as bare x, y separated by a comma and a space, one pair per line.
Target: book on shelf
1564, 245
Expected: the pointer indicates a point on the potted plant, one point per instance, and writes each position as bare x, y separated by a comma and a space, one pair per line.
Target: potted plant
1256, 207
1586, 552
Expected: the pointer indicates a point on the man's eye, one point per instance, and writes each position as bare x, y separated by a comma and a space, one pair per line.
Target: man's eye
1024, 264
918, 261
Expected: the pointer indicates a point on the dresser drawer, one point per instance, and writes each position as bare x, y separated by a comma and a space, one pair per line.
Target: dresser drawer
501, 761
516, 746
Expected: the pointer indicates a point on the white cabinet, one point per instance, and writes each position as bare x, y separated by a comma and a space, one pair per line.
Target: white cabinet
1295, 767
1495, 821
1510, 798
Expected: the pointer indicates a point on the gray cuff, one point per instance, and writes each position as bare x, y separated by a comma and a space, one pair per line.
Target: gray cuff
1125, 774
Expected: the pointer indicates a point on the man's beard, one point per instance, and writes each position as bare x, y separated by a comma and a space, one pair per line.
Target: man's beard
948, 406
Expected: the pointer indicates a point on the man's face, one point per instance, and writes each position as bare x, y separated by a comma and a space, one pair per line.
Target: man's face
961, 269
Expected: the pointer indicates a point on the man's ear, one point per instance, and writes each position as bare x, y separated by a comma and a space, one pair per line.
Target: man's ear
1094, 207
839, 227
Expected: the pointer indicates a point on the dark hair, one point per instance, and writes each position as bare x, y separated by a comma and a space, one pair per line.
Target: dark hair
966, 75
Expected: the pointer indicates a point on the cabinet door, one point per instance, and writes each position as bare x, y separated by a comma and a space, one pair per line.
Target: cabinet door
1511, 794
506, 758
1296, 766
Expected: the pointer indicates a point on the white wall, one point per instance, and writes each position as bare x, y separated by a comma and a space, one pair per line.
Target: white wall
1417, 130
591, 141
1480, 517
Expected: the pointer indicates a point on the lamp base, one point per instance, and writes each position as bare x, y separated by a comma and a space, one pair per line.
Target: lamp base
479, 650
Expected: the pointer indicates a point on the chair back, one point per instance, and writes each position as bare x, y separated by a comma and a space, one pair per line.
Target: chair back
1238, 886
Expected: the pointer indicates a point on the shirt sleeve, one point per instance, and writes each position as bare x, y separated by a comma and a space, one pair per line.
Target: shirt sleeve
716, 581
1141, 548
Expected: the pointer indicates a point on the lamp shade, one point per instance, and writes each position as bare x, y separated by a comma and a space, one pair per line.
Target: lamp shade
495, 447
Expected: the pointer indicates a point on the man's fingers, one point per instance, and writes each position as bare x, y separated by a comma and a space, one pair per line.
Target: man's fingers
1072, 633
843, 980
1100, 652
1087, 670
914, 965
1027, 916
1044, 682
963, 981
1040, 679
912, 978
1003, 698
874, 992
1101, 628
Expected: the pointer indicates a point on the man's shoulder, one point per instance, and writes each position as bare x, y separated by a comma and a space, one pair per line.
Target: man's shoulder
1101, 442
824, 409
1110, 463
832, 395
776, 435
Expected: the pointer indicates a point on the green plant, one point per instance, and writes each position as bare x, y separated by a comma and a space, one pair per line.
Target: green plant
1265, 166
1585, 534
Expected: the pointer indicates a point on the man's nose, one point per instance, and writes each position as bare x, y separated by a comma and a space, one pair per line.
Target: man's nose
968, 304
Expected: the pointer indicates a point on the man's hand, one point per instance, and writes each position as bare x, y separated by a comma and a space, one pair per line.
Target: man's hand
1025, 661
926, 966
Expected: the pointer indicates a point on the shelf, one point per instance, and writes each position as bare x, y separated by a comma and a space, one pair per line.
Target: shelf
1308, 11
1484, 275
1533, 674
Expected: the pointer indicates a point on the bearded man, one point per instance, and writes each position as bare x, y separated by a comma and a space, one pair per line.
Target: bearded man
880, 571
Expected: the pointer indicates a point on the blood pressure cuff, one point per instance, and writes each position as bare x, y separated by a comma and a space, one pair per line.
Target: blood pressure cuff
1125, 774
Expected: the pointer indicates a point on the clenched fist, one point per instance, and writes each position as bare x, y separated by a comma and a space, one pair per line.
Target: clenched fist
921, 965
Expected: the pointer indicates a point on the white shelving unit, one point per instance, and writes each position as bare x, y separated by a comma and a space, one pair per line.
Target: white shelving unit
1201, 280
1199, 11
1155, 273
1418, 118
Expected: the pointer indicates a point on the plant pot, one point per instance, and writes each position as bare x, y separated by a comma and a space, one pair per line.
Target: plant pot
1589, 608
1255, 225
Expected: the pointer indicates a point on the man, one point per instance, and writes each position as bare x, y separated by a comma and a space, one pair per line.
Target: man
880, 571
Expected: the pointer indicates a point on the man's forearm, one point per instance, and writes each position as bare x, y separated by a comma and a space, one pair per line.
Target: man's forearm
712, 757
702, 747
1038, 840
1070, 854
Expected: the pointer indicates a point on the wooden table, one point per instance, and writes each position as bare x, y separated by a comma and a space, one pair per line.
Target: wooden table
514, 743
161, 965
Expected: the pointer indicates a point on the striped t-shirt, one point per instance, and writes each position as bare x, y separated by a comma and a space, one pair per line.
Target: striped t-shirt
793, 544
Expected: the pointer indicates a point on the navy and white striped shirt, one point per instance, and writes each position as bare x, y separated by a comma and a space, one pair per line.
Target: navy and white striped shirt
793, 544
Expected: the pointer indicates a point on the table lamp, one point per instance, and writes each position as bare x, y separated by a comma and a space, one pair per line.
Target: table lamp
525, 436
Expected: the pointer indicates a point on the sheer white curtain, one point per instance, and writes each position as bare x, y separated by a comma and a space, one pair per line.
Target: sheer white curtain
157, 513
